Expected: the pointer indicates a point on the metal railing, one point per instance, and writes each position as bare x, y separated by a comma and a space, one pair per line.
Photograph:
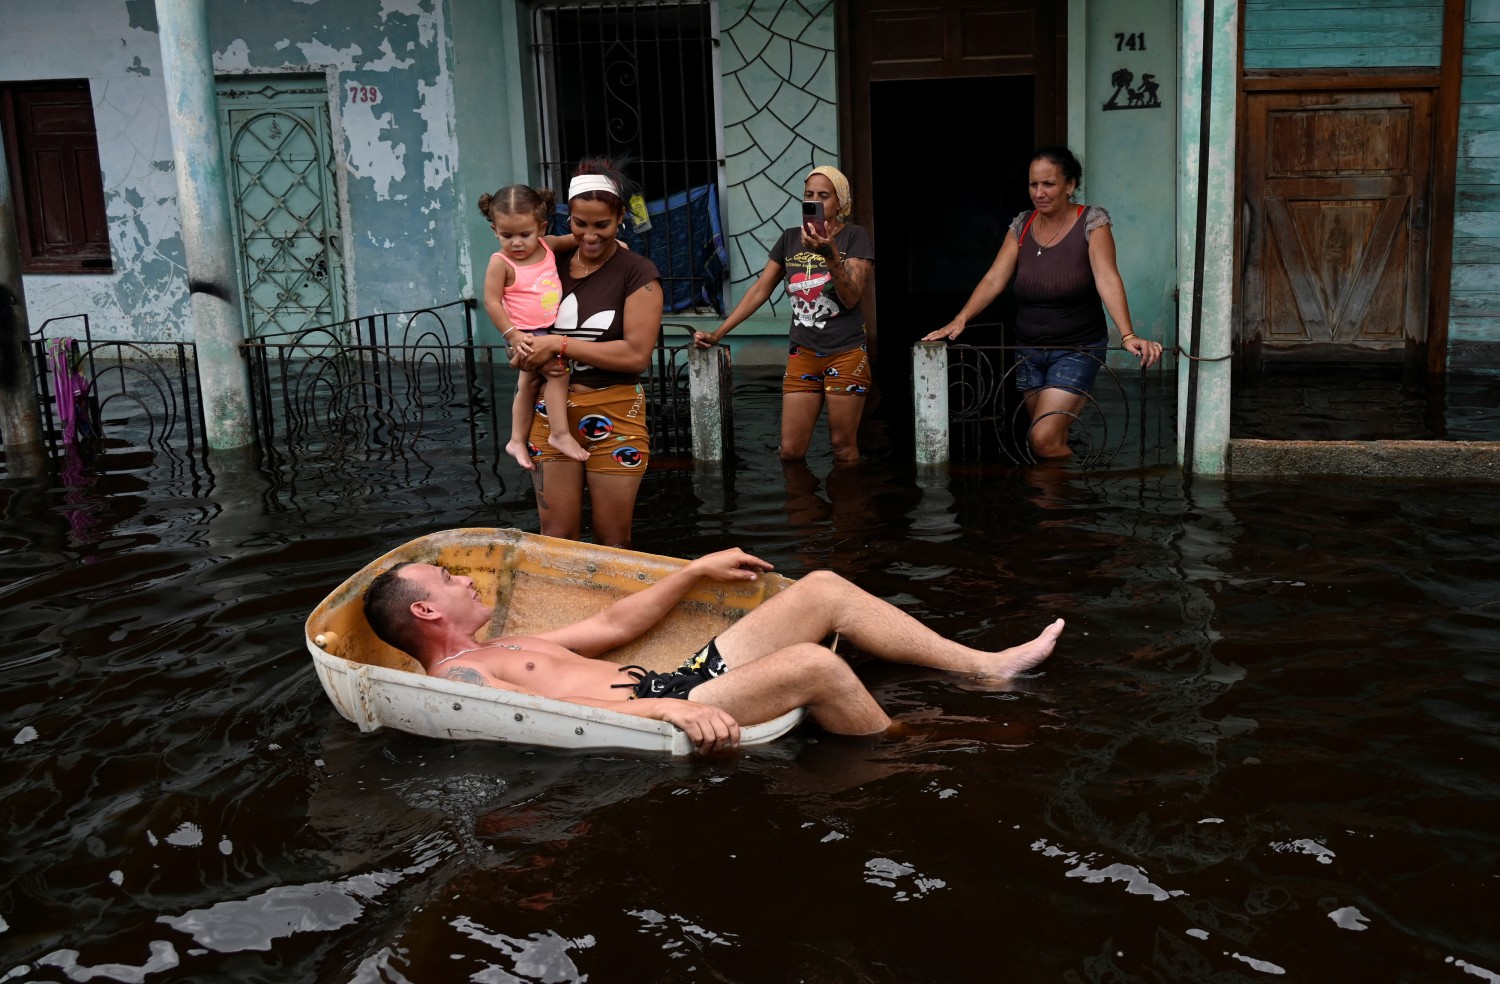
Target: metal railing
135, 394
1127, 418
409, 382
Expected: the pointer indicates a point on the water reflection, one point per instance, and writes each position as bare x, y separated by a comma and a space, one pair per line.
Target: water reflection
1266, 744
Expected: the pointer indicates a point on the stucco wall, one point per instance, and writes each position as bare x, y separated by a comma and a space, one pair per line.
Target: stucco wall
1130, 154
404, 244
106, 43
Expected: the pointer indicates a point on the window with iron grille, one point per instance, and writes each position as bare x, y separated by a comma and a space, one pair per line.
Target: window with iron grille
52, 151
638, 83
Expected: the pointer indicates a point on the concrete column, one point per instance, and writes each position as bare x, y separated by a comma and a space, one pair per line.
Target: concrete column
207, 234
706, 398
1206, 211
929, 370
19, 420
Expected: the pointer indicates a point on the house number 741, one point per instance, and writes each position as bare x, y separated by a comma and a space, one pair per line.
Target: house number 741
1130, 42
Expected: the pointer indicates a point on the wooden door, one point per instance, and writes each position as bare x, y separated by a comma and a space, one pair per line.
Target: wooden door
898, 42
1336, 206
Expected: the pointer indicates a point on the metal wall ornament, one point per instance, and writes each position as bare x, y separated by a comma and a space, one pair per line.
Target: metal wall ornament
1145, 96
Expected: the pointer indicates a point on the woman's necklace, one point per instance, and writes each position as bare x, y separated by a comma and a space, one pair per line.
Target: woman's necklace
590, 269
1055, 233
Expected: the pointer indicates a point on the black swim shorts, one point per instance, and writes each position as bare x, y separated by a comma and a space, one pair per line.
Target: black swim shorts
699, 668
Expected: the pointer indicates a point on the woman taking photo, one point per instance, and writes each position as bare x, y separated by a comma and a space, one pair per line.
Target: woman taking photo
1062, 257
606, 329
825, 268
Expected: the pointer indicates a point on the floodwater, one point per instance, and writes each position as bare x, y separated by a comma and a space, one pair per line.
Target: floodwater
1266, 747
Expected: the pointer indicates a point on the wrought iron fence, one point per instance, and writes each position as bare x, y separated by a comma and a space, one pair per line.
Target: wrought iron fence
1128, 417
411, 382
134, 394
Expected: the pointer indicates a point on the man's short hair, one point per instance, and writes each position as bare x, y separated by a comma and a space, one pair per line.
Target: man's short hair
388, 602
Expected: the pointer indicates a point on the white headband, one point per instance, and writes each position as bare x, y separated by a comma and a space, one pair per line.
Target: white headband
591, 182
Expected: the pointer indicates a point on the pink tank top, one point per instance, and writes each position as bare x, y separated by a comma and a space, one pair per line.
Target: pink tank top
531, 302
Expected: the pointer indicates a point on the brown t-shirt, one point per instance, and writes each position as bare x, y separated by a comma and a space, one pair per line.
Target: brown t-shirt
593, 308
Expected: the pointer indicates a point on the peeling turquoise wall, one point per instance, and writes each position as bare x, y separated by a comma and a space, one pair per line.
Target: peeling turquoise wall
492, 121
401, 226
405, 243
107, 43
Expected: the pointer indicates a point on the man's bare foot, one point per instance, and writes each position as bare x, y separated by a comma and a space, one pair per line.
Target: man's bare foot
563, 441
1018, 659
521, 452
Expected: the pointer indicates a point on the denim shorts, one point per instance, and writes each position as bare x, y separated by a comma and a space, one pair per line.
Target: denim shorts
1060, 368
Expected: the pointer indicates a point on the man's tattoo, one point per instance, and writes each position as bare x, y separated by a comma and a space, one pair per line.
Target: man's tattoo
465, 674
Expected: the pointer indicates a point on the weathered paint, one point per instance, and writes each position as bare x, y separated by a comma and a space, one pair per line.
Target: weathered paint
706, 396
1204, 386
390, 71
1343, 34
929, 394
115, 47
398, 155
492, 118
1131, 153
1474, 308
203, 202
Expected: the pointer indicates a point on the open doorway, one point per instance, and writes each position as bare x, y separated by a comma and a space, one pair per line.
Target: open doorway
948, 160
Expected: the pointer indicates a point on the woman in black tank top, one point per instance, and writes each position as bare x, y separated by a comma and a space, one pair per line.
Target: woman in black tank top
1061, 257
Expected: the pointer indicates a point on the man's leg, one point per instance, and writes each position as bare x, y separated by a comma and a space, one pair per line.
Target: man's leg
802, 675
823, 603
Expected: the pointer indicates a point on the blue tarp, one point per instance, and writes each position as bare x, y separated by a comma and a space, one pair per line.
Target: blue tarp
685, 241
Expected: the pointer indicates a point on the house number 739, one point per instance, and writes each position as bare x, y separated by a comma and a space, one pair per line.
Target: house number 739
1130, 42
371, 94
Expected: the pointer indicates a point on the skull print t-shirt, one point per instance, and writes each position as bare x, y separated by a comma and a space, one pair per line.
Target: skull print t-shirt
820, 321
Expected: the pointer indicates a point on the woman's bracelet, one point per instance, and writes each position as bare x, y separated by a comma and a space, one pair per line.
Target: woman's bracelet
563, 351
1127, 337
507, 331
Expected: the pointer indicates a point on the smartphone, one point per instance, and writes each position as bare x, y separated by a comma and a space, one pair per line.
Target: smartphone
812, 214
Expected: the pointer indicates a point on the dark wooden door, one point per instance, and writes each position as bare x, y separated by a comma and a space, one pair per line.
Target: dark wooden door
1337, 199
945, 57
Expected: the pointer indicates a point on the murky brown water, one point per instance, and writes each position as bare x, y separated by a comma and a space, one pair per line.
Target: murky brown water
1267, 746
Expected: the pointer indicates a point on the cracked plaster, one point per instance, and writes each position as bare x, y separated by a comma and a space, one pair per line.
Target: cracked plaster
399, 154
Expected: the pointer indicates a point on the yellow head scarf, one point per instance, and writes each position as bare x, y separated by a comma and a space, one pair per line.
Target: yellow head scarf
840, 188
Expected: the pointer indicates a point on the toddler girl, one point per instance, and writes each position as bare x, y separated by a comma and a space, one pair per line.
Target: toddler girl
521, 293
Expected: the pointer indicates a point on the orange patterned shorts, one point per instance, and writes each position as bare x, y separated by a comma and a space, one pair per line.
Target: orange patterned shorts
610, 423
836, 373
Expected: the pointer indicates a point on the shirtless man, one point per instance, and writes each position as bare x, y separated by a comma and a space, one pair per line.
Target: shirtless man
774, 651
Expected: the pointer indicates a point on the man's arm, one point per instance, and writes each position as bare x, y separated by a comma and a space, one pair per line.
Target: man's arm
709, 728
630, 617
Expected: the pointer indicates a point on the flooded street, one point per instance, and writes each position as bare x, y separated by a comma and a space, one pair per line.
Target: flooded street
1268, 745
